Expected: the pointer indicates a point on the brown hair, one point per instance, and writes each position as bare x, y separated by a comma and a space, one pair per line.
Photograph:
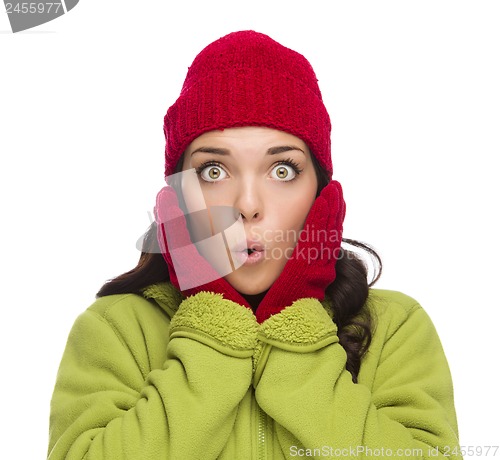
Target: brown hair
349, 291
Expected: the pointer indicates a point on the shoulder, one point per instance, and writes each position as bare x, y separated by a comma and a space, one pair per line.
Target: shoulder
112, 305
393, 310
126, 313
156, 297
385, 301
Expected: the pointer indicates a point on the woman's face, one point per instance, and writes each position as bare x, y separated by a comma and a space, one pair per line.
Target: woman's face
267, 176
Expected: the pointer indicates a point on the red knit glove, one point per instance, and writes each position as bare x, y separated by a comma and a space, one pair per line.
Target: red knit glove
191, 268
311, 268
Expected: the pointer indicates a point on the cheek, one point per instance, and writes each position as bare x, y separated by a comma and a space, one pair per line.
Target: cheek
291, 211
197, 217
191, 191
199, 195
291, 215
282, 229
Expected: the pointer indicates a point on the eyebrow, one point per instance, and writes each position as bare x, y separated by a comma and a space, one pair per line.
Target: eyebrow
270, 151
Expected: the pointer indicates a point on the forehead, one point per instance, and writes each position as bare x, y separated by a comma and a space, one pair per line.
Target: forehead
256, 137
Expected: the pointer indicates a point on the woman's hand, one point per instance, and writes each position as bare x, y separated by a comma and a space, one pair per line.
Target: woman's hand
189, 271
311, 267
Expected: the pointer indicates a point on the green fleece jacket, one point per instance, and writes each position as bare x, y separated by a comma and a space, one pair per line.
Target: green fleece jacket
163, 377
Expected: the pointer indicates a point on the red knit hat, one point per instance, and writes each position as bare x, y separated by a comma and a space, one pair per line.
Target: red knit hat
247, 79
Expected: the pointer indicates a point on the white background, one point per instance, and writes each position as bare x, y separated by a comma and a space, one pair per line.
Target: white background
413, 92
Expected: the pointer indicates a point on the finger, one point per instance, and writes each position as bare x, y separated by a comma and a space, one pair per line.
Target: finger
167, 205
338, 206
334, 196
171, 219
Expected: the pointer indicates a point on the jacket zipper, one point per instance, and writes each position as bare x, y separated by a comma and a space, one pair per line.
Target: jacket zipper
261, 435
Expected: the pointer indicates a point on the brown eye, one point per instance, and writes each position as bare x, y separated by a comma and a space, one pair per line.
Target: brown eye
283, 172
212, 173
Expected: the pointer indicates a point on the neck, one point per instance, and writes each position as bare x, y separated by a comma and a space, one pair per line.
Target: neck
254, 299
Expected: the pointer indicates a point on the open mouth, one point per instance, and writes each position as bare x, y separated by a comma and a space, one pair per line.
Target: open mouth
253, 253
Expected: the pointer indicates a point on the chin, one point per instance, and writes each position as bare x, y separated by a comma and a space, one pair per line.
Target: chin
248, 285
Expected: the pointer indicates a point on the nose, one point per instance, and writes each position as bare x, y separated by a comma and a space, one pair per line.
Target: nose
249, 201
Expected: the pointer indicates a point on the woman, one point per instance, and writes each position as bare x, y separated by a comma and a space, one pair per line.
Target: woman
246, 331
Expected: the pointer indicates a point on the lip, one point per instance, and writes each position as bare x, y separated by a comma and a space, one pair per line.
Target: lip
249, 244
241, 253
255, 245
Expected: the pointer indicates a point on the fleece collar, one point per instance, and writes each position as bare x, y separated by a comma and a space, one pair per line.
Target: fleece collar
165, 295
169, 298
